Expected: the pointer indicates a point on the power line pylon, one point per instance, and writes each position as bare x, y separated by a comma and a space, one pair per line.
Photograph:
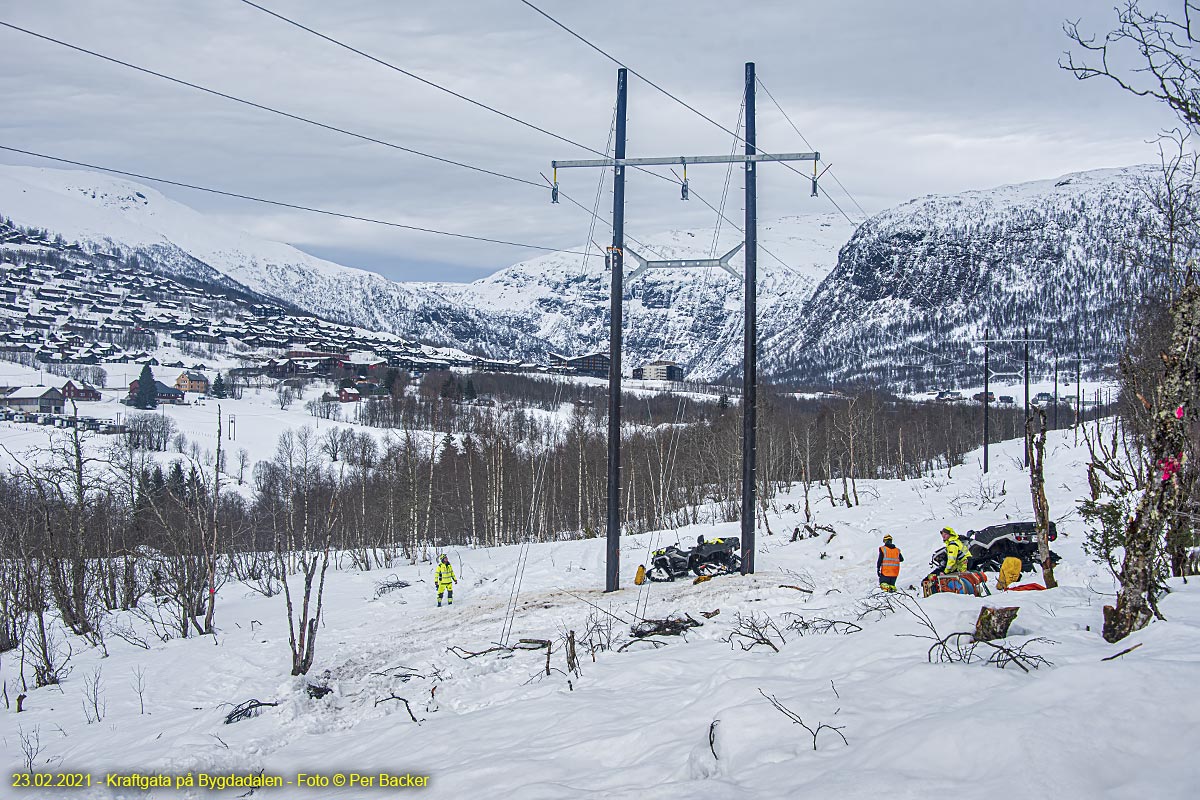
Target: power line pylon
617, 253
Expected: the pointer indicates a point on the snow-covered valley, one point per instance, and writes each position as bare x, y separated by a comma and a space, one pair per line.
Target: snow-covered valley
683, 718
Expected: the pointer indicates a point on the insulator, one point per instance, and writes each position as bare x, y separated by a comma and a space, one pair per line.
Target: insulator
554, 193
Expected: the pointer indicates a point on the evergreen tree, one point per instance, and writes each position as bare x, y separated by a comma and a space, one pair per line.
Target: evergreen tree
469, 392
147, 392
218, 387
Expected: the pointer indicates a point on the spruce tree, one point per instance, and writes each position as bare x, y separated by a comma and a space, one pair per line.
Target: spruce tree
218, 387
147, 392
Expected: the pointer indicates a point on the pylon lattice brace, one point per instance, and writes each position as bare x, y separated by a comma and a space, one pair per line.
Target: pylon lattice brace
684, 263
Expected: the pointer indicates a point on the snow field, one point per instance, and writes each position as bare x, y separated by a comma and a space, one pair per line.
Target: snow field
637, 723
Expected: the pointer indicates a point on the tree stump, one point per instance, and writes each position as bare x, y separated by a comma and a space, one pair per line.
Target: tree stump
993, 623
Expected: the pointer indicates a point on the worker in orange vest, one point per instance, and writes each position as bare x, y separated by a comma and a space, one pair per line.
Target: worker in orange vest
888, 565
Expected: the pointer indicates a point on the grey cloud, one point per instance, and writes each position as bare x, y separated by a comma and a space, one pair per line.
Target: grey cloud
903, 98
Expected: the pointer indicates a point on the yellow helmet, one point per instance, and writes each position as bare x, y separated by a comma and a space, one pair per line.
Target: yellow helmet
949, 530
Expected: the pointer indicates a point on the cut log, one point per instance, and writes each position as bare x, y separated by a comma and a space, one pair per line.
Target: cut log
993, 623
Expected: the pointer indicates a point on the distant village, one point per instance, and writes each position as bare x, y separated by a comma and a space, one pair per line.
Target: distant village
62, 310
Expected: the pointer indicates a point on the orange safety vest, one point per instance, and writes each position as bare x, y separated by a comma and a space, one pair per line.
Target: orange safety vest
890, 568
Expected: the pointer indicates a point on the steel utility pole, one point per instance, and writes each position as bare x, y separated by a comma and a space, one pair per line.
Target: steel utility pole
1056, 391
1027, 442
987, 375
1078, 386
619, 162
616, 300
750, 355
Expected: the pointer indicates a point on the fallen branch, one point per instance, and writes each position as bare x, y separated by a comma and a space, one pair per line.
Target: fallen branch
750, 631
657, 644
407, 707
464, 654
522, 644
248, 709
960, 648
797, 588
391, 584
795, 718
712, 737
672, 626
820, 625
1123, 652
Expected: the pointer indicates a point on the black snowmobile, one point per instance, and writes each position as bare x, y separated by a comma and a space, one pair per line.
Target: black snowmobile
990, 546
713, 557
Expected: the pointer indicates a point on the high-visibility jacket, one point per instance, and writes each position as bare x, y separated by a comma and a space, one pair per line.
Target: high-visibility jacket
956, 555
1010, 572
888, 562
444, 575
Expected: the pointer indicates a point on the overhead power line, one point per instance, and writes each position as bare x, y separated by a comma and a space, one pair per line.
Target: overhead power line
810, 147
669, 94
632, 71
284, 204
435, 85
326, 126
421, 79
270, 109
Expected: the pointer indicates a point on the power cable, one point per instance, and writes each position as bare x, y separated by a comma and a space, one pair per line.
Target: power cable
284, 204
316, 123
270, 109
440, 87
654, 85
809, 146
419, 78
612, 128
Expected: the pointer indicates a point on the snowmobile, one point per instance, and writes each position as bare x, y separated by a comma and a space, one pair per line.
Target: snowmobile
716, 557
990, 546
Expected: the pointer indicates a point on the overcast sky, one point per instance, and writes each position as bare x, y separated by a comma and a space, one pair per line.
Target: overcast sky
902, 98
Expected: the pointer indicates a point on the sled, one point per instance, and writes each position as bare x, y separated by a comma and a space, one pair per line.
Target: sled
969, 583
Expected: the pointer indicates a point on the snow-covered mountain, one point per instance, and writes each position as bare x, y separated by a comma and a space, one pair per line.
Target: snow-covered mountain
115, 215
692, 316
1064, 257
1067, 259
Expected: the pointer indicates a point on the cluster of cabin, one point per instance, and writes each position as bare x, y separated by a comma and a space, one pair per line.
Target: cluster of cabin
92, 309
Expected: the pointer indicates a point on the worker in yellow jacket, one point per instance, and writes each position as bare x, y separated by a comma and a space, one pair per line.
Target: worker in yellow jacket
445, 580
957, 553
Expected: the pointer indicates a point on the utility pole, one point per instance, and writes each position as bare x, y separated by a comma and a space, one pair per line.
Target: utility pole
617, 253
750, 356
987, 375
1079, 389
616, 300
1027, 442
1056, 391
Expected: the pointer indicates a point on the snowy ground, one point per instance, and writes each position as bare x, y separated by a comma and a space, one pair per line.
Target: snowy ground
638, 723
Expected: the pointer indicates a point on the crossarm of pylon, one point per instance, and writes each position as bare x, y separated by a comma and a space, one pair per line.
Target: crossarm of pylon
683, 263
